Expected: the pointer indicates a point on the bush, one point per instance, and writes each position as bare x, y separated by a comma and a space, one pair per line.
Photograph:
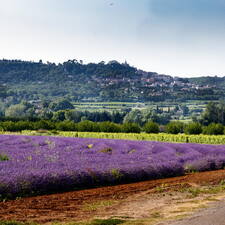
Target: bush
87, 126
8, 126
193, 128
175, 127
66, 126
44, 124
109, 127
151, 127
214, 129
131, 128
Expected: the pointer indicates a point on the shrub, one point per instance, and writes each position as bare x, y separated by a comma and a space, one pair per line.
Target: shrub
4, 157
7, 126
87, 126
44, 124
175, 127
193, 128
109, 127
66, 126
214, 129
24, 125
131, 128
151, 127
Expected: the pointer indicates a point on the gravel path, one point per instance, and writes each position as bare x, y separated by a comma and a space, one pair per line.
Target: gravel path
215, 215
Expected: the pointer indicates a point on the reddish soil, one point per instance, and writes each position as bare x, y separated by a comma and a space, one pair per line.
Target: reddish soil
70, 206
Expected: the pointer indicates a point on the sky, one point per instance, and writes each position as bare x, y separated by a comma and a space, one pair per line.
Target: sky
183, 38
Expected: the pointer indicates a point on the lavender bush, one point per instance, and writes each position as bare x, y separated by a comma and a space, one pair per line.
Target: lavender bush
40, 164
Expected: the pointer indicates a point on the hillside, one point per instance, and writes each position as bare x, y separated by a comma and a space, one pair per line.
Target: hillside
112, 81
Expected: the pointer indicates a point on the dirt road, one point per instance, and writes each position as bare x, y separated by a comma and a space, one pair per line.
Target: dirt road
214, 215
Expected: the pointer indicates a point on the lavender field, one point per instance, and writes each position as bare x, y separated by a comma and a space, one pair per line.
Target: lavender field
32, 165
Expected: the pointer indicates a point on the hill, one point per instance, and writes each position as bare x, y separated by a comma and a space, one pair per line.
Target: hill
112, 81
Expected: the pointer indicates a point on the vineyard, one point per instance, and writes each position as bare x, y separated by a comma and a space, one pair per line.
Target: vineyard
162, 137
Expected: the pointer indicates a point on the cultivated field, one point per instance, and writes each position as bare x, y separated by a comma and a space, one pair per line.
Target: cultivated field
33, 165
162, 137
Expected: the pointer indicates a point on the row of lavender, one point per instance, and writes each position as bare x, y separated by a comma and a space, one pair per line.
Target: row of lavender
31, 165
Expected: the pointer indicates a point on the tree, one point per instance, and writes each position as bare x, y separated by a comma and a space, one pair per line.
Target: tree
214, 113
151, 127
109, 127
66, 126
214, 129
22, 110
59, 116
174, 127
131, 128
193, 128
61, 105
87, 126
134, 116
73, 115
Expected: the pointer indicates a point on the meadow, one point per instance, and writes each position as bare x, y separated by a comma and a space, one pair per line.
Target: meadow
34, 165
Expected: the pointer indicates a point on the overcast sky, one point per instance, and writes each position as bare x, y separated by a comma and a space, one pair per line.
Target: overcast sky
176, 37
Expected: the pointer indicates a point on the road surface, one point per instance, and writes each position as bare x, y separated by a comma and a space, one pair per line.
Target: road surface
214, 215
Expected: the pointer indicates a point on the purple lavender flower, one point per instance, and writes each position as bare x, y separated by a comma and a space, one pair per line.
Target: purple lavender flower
38, 164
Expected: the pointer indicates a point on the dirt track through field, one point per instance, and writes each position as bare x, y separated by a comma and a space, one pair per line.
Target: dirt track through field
214, 215
70, 206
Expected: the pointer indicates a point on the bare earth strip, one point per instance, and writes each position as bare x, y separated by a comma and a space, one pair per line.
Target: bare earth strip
140, 203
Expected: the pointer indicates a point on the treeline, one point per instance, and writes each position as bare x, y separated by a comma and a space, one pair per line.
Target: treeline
110, 127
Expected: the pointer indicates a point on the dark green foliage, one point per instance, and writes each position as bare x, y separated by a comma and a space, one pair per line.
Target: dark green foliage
77, 116
66, 126
109, 127
87, 126
59, 116
106, 222
151, 127
61, 105
175, 127
214, 129
131, 128
214, 113
193, 128
134, 116
51, 127
44, 124
8, 126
